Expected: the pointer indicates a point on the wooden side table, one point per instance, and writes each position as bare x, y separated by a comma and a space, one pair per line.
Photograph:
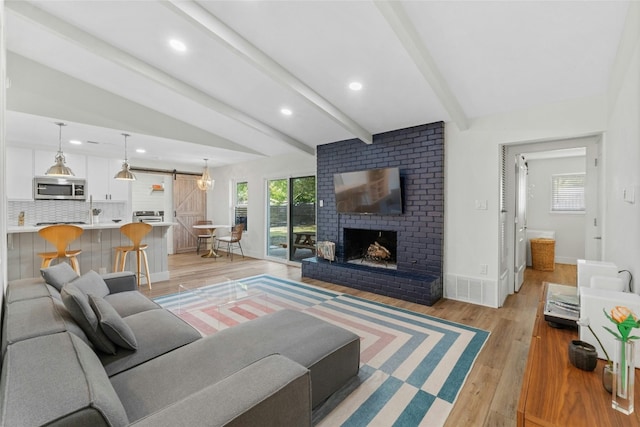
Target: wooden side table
555, 393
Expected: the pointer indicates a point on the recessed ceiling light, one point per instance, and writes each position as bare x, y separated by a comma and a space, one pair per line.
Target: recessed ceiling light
75, 142
355, 85
177, 45
286, 111
140, 150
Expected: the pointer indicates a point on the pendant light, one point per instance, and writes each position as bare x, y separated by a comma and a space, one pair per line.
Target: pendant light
60, 168
125, 173
205, 182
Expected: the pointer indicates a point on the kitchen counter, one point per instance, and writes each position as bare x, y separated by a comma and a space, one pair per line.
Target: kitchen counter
97, 243
99, 226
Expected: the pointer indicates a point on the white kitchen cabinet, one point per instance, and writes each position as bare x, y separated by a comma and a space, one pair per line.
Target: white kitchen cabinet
43, 160
101, 182
19, 173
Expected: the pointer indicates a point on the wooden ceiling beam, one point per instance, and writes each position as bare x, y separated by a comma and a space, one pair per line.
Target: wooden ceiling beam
234, 41
401, 24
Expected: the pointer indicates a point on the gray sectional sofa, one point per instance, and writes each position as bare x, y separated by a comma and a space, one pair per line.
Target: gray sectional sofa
92, 350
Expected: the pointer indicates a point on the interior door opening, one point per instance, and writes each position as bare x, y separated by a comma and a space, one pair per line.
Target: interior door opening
515, 195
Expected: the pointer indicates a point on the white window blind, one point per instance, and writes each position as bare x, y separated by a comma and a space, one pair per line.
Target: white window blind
567, 192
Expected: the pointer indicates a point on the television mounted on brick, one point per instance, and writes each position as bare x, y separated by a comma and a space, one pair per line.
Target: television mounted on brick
373, 191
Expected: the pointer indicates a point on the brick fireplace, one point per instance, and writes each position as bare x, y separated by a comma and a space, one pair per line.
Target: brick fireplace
416, 274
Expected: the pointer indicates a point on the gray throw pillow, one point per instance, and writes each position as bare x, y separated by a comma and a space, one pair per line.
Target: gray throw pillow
92, 283
59, 275
112, 324
77, 303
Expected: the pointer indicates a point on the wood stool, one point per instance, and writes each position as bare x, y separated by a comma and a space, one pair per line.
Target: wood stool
135, 232
60, 236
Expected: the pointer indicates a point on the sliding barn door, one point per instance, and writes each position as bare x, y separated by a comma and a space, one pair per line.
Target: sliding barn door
190, 205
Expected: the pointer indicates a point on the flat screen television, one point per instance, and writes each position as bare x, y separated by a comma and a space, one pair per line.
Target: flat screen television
373, 191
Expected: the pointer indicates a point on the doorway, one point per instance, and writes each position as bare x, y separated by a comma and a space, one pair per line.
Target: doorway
515, 194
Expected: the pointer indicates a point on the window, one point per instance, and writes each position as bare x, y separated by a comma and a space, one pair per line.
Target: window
242, 201
567, 192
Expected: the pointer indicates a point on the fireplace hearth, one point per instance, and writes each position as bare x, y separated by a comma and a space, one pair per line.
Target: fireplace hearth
373, 248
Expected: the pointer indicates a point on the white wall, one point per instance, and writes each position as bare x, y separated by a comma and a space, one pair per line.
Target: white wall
472, 172
569, 227
3, 178
622, 155
255, 173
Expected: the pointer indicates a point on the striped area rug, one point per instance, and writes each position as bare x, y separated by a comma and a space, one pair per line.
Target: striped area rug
412, 365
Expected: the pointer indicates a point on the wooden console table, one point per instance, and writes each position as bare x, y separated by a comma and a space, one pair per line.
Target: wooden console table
557, 394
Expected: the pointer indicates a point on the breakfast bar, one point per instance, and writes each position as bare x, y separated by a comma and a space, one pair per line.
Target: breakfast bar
97, 243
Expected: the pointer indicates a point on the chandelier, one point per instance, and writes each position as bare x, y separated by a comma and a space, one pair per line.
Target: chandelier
205, 182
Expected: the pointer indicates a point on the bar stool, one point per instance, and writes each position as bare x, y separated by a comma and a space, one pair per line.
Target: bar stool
135, 231
60, 236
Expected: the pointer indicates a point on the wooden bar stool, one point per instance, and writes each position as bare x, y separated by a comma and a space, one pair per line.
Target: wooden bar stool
135, 232
60, 236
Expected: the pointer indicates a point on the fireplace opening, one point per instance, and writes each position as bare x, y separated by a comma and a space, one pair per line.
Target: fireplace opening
374, 248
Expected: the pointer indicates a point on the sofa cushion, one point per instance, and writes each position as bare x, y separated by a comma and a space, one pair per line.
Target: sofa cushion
73, 390
59, 275
130, 302
22, 289
112, 324
331, 353
157, 332
30, 318
92, 283
77, 302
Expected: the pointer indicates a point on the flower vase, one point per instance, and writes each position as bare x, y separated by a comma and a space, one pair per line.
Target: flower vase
623, 376
95, 219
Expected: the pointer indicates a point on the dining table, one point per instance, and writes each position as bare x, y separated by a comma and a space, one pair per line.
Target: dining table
212, 230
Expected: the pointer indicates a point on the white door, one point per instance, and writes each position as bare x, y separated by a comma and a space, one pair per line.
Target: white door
593, 236
520, 223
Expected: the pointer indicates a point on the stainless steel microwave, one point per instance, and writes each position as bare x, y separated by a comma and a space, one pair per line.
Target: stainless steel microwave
52, 188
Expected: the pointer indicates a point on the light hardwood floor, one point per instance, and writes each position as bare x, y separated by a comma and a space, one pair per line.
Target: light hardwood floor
490, 395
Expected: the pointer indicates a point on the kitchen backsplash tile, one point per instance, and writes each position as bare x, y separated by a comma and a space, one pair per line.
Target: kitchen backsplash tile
63, 210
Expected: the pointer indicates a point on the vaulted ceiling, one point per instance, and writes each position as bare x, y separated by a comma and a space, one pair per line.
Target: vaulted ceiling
107, 67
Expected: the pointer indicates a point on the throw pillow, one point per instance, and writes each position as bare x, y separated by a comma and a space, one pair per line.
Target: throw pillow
77, 303
92, 283
59, 275
112, 324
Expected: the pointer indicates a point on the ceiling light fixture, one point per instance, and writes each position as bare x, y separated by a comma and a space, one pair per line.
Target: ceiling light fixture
286, 111
177, 45
60, 168
355, 86
205, 182
141, 150
125, 173
75, 142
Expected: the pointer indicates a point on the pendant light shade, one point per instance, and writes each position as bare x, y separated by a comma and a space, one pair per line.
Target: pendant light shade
60, 168
205, 182
125, 173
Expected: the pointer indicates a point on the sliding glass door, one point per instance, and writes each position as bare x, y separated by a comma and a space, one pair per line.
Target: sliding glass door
277, 212
291, 217
302, 236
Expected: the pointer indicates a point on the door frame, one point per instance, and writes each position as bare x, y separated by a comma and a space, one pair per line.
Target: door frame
591, 141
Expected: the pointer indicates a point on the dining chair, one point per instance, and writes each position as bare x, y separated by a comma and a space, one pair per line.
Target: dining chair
60, 236
203, 234
232, 240
135, 231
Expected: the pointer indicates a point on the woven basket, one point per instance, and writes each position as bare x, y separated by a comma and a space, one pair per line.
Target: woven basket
543, 253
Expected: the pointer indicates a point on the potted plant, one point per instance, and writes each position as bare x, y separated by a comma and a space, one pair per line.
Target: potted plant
95, 212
